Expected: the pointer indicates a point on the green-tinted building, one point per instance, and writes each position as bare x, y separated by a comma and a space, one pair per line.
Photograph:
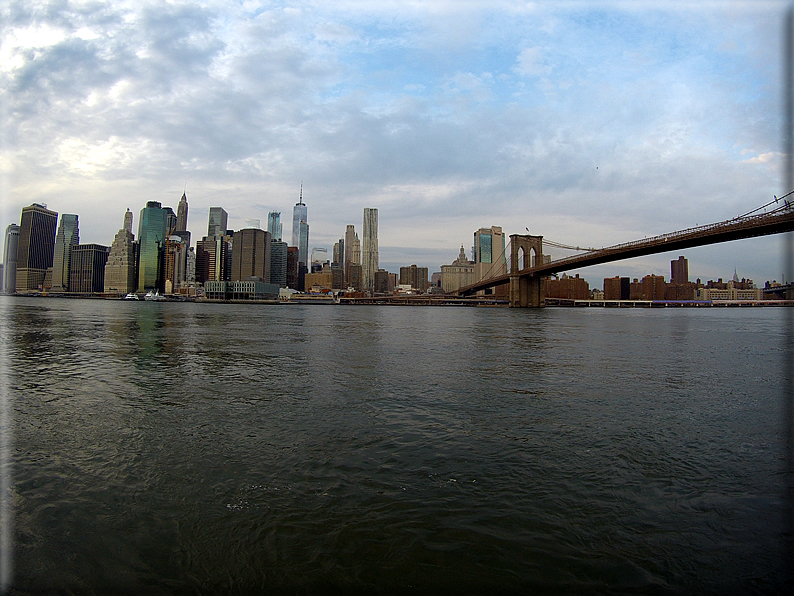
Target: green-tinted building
152, 233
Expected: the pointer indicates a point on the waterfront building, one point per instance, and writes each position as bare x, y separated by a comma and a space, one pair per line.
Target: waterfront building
435, 279
10, 259
250, 289
274, 225
383, 281
36, 247
730, 292
414, 276
217, 222
251, 255
369, 249
181, 213
354, 276
68, 236
120, 268
278, 263
458, 274
2, 279
153, 228
679, 271
617, 288
571, 288
87, 268
319, 280
682, 291
489, 253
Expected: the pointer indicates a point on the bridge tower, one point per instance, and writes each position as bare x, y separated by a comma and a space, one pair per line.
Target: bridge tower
526, 291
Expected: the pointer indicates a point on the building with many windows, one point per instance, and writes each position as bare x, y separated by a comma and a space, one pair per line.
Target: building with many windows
120, 270
181, 214
36, 247
10, 259
68, 236
414, 276
274, 225
489, 253
251, 255
154, 224
458, 274
278, 263
369, 249
217, 222
87, 268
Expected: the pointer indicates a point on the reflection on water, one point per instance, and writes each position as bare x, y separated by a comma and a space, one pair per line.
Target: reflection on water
176, 447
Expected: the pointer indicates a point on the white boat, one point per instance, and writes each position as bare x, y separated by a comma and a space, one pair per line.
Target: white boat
154, 296
131, 296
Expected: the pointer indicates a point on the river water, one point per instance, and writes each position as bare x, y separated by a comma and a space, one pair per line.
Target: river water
169, 448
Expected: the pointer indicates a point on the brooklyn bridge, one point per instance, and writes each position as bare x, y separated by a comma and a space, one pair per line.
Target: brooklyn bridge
528, 267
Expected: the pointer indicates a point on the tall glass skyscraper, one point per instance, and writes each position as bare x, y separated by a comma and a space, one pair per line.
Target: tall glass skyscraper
300, 229
67, 237
152, 230
217, 222
274, 225
369, 249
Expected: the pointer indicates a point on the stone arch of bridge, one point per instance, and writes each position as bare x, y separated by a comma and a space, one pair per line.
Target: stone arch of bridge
525, 290
523, 250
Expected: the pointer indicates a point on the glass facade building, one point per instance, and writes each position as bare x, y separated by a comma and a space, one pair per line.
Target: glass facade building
67, 237
152, 232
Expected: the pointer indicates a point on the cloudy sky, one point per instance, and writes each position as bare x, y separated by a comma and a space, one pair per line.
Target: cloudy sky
589, 123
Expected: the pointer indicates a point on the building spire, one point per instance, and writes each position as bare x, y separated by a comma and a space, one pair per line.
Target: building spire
300, 200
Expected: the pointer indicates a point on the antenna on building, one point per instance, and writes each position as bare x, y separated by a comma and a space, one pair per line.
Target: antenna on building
300, 201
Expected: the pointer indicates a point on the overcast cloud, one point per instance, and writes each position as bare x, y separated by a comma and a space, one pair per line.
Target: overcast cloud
588, 123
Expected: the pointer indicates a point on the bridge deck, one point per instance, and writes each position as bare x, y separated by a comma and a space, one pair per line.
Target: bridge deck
774, 222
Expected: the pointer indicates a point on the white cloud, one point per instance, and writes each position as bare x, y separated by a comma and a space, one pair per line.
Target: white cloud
531, 63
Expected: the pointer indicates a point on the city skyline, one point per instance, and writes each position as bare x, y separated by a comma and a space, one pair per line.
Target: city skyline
588, 124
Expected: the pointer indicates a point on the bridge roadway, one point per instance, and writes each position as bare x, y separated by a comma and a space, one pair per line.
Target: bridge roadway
775, 222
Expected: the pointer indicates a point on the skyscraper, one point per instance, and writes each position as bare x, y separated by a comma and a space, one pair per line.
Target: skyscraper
489, 253
36, 246
181, 213
369, 249
217, 222
152, 233
10, 259
278, 263
120, 275
87, 268
274, 225
251, 255
300, 229
68, 236
303, 243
